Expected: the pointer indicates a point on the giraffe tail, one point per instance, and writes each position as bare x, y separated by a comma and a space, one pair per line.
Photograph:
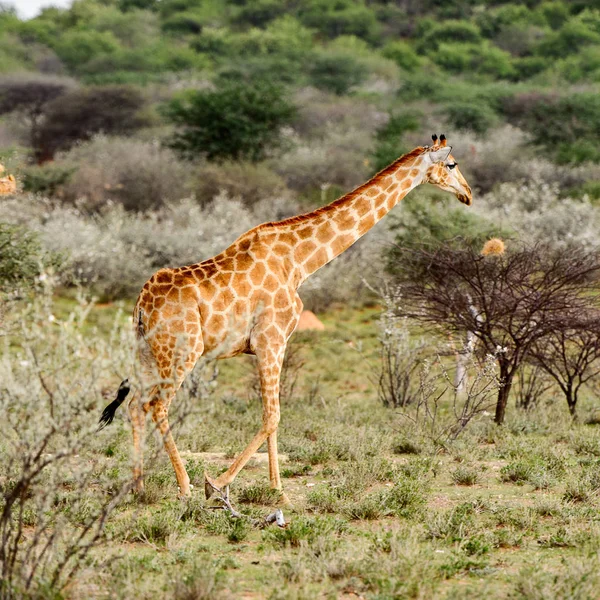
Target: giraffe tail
109, 412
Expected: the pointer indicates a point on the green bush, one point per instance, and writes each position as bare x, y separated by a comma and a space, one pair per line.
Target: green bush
238, 120
388, 144
568, 126
182, 24
80, 113
427, 223
471, 116
336, 72
343, 17
453, 32
47, 179
482, 59
573, 36
402, 54
75, 48
251, 182
22, 259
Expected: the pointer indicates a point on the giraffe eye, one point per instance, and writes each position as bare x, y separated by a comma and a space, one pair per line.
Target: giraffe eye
451, 166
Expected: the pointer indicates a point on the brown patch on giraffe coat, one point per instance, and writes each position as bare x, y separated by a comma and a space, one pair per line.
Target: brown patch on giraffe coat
282, 299
243, 261
341, 243
287, 238
305, 232
271, 283
164, 276
244, 245
325, 233
345, 220
241, 284
318, 259
260, 251
258, 273
225, 264
362, 207
163, 289
281, 249
224, 298
303, 251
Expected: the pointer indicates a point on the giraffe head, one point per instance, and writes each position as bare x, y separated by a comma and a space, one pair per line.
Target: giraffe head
443, 172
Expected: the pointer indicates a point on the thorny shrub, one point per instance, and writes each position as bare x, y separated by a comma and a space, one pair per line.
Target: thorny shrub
55, 492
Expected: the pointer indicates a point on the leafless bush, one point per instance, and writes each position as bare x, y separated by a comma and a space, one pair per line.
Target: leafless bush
440, 411
338, 158
571, 353
532, 384
55, 494
139, 175
320, 110
400, 359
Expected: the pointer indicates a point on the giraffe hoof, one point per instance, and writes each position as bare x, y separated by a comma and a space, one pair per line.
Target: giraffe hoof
285, 501
209, 486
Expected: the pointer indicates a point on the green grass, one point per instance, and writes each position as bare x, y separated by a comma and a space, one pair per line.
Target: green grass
377, 513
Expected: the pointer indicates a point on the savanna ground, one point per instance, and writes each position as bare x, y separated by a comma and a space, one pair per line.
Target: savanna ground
505, 512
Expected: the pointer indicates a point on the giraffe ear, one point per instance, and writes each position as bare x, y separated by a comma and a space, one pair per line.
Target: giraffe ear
440, 155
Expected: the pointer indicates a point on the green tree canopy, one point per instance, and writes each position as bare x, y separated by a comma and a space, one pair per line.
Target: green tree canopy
237, 120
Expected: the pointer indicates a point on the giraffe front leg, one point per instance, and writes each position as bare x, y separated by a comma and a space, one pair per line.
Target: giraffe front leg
274, 476
269, 369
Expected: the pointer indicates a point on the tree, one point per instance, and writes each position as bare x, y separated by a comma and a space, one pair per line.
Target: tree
83, 112
29, 96
570, 353
237, 121
336, 72
510, 302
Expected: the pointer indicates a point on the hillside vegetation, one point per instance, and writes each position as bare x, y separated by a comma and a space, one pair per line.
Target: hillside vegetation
133, 106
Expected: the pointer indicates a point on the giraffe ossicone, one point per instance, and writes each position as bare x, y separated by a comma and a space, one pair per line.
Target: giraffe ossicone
245, 300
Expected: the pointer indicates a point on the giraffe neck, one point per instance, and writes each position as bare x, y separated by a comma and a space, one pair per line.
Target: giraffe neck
327, 232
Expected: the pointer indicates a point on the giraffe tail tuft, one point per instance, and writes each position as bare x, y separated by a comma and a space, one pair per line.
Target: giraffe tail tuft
109, 412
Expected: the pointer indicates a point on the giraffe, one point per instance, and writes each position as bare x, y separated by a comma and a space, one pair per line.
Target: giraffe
245, 300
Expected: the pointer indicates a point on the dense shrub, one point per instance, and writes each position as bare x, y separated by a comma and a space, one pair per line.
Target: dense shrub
568, 126
336, 158
250, 182
29, 96
389, 145
80, 113
138, 175
471, 116
424, 222
238, 120
22, 258
340, 18
402, 54
48, 179
336, 72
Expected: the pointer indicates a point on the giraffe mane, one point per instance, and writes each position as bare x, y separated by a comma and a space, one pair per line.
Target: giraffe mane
355, 192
